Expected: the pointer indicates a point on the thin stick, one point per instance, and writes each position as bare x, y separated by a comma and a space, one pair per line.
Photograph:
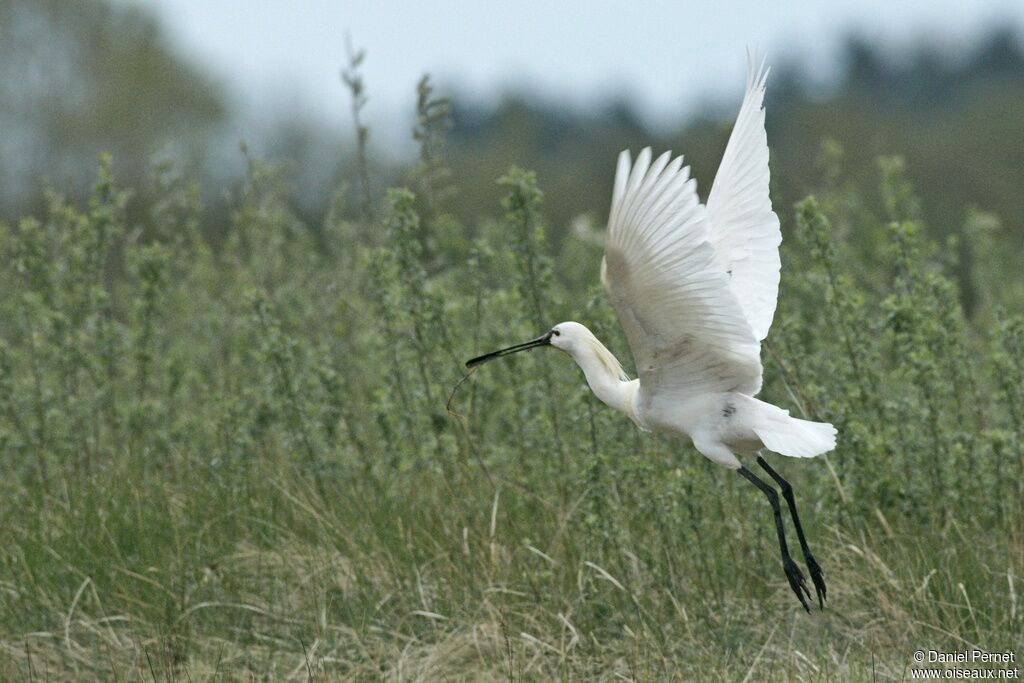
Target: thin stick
448, 406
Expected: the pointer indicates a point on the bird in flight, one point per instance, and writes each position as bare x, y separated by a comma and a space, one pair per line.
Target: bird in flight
695, 288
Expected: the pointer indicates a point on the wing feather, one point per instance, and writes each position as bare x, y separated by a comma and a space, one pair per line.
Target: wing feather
685, 327
744, 230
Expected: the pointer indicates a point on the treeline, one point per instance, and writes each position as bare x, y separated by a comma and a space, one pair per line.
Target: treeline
955, 116
109, 81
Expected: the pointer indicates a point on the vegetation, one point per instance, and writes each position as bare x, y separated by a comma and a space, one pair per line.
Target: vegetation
244, 458
77, 78
240, 444
953, 114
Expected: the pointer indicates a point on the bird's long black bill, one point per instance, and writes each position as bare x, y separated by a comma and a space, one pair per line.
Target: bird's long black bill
543, 340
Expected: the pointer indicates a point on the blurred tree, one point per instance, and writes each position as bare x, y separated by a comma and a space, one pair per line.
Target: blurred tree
953, 114
78, 77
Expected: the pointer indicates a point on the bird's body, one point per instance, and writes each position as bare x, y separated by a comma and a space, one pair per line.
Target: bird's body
720, 424
695, 289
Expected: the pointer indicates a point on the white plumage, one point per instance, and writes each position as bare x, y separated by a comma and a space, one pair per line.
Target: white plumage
744, 229
695, 289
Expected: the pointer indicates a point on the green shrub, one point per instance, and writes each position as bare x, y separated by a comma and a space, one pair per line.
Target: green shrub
246, 458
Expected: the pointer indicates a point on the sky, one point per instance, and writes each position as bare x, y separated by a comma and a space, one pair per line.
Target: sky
665, 57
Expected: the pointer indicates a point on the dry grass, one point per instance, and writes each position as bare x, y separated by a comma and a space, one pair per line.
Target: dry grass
271, 612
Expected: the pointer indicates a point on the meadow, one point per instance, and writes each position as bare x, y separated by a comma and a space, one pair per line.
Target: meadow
240, 457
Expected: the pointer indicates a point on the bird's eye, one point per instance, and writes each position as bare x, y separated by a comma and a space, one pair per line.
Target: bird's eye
556, 333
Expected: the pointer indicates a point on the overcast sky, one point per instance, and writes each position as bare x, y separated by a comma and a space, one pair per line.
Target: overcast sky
666, 56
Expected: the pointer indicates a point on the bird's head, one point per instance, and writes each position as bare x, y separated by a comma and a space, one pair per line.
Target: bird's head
567, 336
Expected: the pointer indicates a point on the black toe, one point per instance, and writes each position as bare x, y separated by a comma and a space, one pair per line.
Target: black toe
818, 578
797, 581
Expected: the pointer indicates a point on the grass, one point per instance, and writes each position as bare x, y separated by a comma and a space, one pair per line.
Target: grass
231, 459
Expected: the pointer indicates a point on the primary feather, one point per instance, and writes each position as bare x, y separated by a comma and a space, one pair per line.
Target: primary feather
744, 230
685, 327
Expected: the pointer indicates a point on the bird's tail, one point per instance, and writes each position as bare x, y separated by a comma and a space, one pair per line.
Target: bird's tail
786, 435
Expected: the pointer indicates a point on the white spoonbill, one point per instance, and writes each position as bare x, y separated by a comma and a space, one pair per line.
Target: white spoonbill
695, 288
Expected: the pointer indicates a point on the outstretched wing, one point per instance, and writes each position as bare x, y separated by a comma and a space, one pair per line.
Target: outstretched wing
744, 229
685, 327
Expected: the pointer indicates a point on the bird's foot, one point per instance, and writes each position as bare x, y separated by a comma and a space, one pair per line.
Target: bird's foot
818, 578
797, 581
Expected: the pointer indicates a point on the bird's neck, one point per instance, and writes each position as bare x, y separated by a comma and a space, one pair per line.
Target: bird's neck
604, 380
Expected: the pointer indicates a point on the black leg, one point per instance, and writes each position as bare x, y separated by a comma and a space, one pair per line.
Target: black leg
817, 576
793, 573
